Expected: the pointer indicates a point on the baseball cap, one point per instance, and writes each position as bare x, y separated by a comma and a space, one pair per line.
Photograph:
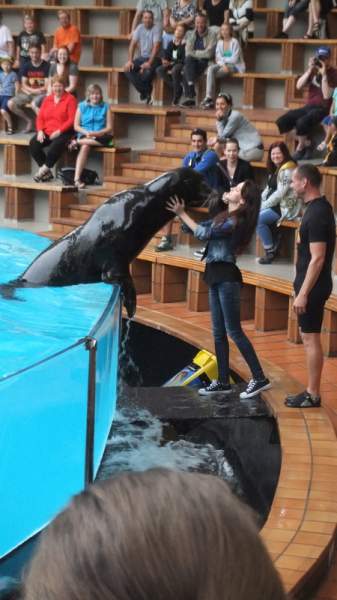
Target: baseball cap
323, 52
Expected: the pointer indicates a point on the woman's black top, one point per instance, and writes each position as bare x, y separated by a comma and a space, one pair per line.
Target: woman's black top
216, 272
216, 12
242, 172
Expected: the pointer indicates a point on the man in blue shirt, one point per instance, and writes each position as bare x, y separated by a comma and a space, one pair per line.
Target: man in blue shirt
200, 159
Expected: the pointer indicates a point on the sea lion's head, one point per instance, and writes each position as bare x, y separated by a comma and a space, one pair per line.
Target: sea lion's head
184, 183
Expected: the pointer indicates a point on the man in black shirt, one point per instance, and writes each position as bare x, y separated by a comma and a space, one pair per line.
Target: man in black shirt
313, 281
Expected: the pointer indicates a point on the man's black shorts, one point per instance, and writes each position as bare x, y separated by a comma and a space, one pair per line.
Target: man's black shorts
311, 320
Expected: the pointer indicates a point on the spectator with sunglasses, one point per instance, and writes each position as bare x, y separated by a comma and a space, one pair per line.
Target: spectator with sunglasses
231, 123
200, 159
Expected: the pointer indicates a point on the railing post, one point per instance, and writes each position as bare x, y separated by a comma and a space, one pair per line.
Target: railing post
91, 345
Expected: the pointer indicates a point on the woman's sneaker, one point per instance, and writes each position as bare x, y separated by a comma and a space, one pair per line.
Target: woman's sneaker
165, 244
254, 387
215, 387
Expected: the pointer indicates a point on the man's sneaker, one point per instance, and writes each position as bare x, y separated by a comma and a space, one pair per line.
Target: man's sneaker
164, 244
254, 387
268, 258
215, 387
199, 253
303, 400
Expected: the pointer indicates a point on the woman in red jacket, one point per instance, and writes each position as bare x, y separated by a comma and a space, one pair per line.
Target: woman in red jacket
54, 125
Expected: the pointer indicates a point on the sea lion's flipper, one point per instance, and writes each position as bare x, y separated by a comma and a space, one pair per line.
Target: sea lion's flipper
129, 295
127, 288
7, 291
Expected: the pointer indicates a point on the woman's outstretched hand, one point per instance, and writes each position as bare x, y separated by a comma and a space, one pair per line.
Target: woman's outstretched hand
176, 205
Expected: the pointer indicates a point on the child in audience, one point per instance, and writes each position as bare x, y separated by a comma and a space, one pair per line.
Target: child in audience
93, 124
9, 86
173, 62
228, 60
29, 36
327, 123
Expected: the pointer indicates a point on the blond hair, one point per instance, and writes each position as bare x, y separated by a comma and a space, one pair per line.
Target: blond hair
156, 534
93, 87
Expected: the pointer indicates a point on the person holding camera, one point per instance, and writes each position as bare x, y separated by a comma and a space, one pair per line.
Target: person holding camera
320, 79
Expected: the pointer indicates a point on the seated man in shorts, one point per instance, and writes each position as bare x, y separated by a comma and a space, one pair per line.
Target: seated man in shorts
34, 83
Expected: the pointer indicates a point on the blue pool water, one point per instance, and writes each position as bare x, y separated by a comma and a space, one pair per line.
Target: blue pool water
44, 375
43, 320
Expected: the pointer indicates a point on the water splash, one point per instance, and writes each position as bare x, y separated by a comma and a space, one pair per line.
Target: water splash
137, 443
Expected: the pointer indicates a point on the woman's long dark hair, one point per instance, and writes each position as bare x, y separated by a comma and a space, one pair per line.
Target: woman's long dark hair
245, 217
271, 168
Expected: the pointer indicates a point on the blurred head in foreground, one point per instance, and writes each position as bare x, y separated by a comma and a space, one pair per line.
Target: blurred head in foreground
156, 535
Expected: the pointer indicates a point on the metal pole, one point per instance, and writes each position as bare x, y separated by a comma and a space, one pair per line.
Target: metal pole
91, 345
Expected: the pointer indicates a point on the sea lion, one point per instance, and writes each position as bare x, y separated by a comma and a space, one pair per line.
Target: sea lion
105, 245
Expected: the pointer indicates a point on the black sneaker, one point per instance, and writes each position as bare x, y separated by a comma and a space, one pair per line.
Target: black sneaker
254, 387
282, 36
188, 103
309, 153
215, 387
199, 253
268, 259
303, 400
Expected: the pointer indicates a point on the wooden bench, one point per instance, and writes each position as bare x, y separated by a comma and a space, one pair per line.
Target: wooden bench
19, 197
17, 159
274, 17
80, 15
177, 276
292, 51
300, 530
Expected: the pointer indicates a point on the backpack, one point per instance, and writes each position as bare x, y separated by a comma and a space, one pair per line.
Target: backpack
88, 176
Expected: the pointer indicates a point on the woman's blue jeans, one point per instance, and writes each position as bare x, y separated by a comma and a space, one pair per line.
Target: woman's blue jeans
224, 300
267, 217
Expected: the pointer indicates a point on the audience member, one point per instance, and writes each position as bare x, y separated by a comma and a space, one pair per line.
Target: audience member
216, 11
330, 159
319, 79
200, 48
292, 10
318, 11
313, 281
183, 13
228, 60
232, 123
9, 85
278, 200
173, 62
241, 17
6, 40
227, 235
93, 124
67, 35
232, 169
29, 36
202, 160
55, 127
159, 10
34, 84
158, 533
66, 69
141, 70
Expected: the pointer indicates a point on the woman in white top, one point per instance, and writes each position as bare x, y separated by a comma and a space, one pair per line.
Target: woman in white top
229, 59
241, 17
6, 40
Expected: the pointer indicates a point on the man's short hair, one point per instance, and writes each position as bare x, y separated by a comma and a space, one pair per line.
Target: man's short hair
38, 46
63, 11
201, 132
311, 173
200, 14
150, 12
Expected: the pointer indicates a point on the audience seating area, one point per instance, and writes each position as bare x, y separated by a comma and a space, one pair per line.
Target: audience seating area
300, 530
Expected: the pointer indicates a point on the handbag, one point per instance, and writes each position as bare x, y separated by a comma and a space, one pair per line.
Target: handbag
88, 176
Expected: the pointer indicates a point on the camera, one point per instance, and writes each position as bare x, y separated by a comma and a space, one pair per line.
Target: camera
317, 62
